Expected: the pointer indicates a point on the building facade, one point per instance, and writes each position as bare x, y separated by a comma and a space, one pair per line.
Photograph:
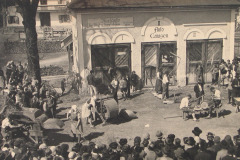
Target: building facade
53, 21
173, 38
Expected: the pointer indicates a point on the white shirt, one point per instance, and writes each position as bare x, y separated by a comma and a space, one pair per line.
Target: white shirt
200, 87
6, 123
165, 79
184, 102
217, 94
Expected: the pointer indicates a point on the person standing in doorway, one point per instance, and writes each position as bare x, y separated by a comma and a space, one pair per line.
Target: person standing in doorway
134, 81
92, 84
158, 85
200, 78
165, 85
215, 74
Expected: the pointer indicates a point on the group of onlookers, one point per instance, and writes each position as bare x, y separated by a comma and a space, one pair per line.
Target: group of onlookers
24, 91
123, 82
159, 147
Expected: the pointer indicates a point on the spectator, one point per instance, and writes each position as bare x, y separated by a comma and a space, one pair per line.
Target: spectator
92, 84
134, 81
2, 81
114, 88
210, 138
123, 87
216, 147
165, 86
197, 131
63, 84
203, 153
192, 150
224, 150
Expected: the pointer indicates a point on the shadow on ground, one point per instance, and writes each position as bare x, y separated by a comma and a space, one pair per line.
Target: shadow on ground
55, 138
93, 135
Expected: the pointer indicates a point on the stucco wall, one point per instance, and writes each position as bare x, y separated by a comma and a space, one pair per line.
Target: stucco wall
205, 22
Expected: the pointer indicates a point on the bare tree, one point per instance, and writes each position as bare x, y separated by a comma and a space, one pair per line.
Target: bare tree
28, 10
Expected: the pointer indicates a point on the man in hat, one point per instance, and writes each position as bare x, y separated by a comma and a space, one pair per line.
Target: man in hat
216, 147
192, 150
159, 143
197, 131
186, 107
35, 101
198, 92
210, 138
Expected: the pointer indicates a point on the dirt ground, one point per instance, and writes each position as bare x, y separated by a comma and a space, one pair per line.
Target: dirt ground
152, 115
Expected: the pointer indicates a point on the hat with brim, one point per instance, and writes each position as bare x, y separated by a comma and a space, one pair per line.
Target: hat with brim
210, 134
191, 141
123, 141
113, 145
159, 134
196, 130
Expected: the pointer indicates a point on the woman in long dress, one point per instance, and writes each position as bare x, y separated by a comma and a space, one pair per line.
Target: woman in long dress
158, 85
76, 123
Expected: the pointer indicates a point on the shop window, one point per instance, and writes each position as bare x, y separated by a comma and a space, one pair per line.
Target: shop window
13, 20
64, 18
43, 2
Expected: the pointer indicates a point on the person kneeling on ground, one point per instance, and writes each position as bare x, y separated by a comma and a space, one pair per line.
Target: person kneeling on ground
186, 106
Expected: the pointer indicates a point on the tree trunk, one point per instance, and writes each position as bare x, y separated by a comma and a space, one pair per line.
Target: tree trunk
28, 9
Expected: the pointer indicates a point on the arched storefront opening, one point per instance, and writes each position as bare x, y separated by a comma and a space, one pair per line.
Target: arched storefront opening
159, 49
106, 54
206, 51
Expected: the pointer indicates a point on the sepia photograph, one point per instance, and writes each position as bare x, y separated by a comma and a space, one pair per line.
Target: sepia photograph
119, 79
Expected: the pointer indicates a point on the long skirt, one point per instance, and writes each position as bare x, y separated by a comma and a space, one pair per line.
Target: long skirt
158, 86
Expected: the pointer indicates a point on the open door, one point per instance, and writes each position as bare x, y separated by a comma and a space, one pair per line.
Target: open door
205, 52
158, 57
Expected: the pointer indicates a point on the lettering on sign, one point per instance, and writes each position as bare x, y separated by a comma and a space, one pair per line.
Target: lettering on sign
110, 22
159, 33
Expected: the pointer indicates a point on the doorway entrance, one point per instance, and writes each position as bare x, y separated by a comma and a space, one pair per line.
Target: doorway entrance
160, 56
206, 53
111, 55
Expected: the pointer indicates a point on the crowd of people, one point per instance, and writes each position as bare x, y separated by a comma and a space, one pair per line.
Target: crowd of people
161, 147
29, 93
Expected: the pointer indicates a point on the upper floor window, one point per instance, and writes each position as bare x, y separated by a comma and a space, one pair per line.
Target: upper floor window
64, 18
60, 1
13, 20
43, 2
